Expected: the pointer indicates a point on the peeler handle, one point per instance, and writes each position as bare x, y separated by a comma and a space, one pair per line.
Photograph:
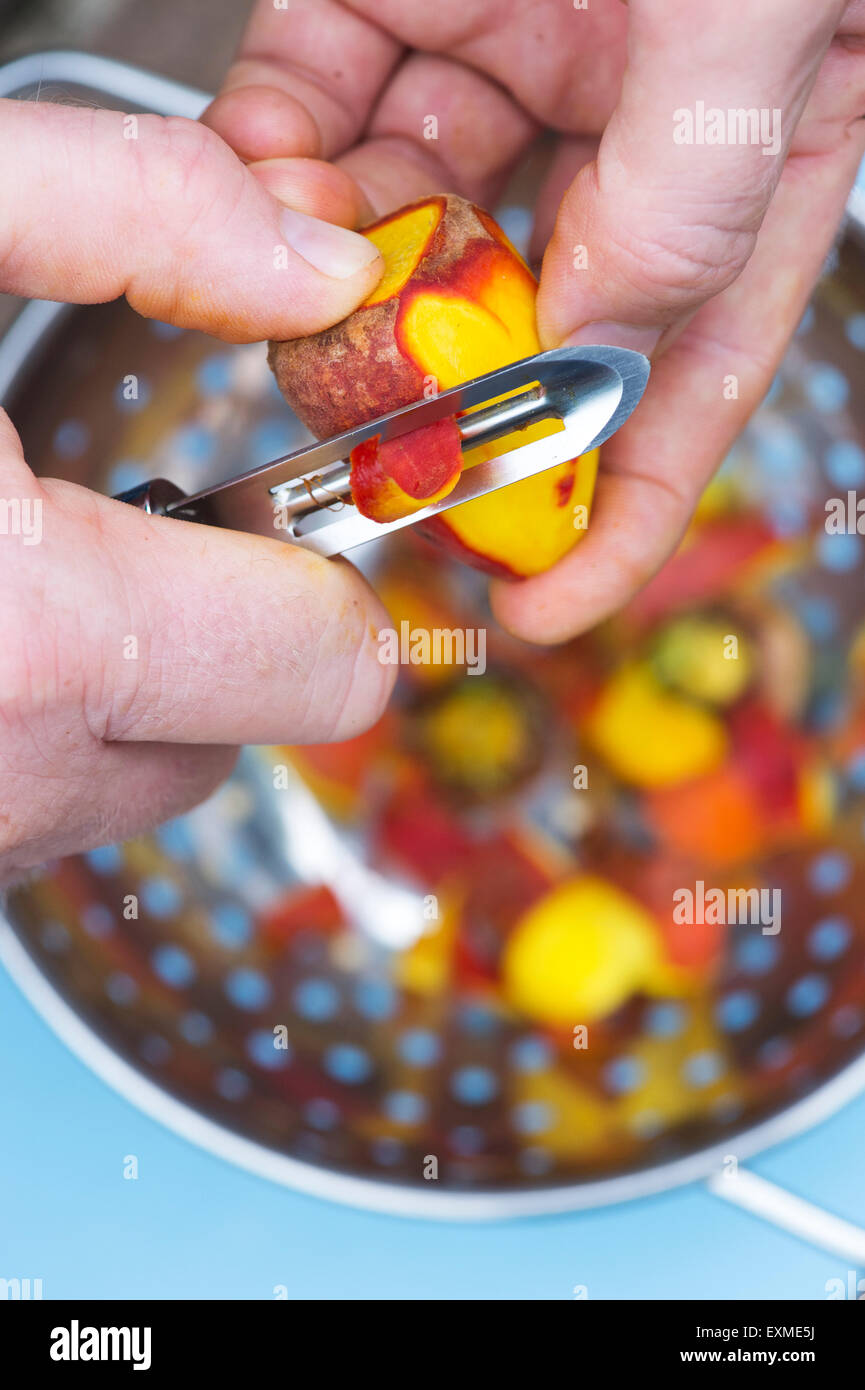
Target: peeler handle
153, 497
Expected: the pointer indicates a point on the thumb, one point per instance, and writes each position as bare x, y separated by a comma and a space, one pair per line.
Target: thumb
667, 215
98, 204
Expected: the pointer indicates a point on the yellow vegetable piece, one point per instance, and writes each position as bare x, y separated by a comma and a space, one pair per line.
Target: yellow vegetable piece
652, 738
697, 657
580, 953
478, 735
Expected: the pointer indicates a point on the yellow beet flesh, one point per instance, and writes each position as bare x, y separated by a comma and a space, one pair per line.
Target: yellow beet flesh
401, 242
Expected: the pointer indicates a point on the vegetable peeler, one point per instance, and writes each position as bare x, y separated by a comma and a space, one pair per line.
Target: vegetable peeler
305, 497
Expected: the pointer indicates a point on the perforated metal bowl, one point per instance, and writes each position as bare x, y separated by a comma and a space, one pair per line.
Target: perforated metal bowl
177, 1007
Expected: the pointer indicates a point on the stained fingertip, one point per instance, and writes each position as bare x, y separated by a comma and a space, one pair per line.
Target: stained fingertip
261, 122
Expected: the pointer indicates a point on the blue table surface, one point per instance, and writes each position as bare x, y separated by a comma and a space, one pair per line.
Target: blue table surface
192, 1226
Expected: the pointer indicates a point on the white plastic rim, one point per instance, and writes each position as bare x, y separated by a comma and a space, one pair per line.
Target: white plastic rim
26, 334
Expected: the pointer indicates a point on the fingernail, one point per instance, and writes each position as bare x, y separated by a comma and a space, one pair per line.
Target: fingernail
334, 251
623, 335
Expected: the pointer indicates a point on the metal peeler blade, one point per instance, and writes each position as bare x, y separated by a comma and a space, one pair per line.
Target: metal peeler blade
305, 497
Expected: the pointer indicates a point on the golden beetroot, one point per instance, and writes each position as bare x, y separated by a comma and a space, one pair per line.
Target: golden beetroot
456, 300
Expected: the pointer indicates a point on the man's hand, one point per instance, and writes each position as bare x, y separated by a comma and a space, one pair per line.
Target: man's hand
702, 254
97, 204
136, 650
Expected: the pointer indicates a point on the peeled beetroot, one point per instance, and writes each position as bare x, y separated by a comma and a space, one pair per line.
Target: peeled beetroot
456, 301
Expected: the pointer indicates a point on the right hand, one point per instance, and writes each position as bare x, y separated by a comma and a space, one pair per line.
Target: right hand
704, 256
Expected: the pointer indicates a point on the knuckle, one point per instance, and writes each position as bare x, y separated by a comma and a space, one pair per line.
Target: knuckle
188, 175
180, 154
682, 264
30, 669
190, 184
39, 734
